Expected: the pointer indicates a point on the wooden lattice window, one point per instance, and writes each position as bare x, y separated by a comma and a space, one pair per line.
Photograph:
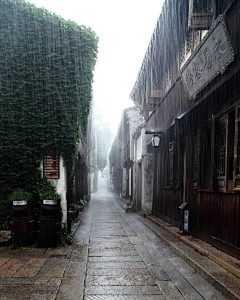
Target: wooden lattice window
221, 154
51, 165
236, 171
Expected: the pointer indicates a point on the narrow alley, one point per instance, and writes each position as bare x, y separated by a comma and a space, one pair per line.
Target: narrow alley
114, 256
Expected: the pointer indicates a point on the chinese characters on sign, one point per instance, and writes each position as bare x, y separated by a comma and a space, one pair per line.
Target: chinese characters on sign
51, 165
211, 57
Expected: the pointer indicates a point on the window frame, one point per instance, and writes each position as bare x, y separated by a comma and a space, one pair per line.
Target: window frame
231, 177
236, 176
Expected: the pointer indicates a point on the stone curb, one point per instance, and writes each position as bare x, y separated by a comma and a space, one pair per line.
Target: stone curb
230, 263
77, 222
223, 280
227, 277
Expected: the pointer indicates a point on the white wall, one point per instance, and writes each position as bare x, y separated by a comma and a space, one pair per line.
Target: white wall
61, 187
139, 148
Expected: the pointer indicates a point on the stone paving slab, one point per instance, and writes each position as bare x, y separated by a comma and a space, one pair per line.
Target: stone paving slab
80, 253
117, 272
226, 261
108, 233
129, 231
158, 273
113, 253
145, 255
209, 265
112, 239
30, 251
53, 267
123, 297
183, 250
71, 288
35, 263
181, 283
227, 280
48, 281
166, 250
114, 259
12, 296
29, 289
108, 244
59, 251
17, 280
111, 246
3, 261
181, 265
110, 229
122, 290
204, 288
12, 266
81, 240
169, 290
136, 280
117, 265
75, 268
27, 272
135, 240
104, 220
103, 226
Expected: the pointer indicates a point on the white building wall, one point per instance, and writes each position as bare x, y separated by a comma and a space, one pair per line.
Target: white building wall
139, 148
124, 182
61, 187
147, 173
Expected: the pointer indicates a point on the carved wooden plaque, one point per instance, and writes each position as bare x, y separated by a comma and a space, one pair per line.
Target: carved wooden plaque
211, 57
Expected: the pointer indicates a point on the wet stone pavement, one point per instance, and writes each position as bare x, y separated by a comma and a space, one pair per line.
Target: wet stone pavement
114, 256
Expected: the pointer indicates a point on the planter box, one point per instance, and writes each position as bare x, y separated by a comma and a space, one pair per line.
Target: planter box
129, 209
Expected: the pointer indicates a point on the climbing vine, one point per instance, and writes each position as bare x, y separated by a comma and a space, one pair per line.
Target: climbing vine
46, 75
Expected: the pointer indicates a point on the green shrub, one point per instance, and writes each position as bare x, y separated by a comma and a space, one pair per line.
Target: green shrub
46, 75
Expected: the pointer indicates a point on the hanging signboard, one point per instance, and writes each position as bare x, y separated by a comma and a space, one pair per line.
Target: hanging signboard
211, 57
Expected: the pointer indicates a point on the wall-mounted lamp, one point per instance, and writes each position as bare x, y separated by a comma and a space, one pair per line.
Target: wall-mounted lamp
155, 140
156, 137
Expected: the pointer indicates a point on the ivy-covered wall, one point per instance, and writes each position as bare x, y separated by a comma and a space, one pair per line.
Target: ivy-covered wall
46, 74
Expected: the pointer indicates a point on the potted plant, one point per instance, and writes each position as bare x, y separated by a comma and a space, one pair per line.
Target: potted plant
23, 221
49, 219
20, 197
50, 198
72, 212
129, 207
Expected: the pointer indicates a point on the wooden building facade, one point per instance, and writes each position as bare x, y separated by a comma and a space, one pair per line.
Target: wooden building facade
189, 89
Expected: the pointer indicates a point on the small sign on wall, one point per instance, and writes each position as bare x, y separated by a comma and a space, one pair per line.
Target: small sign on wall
130, 182
51, 165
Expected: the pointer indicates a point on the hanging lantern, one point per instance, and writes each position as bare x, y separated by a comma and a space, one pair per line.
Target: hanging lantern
155, 140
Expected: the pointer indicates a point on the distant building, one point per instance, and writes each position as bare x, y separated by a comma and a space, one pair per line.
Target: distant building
122, 154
